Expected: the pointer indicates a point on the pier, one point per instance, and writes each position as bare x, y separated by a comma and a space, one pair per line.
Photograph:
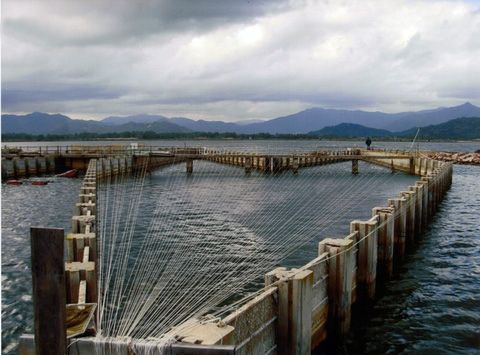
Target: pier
296, 311
36, 161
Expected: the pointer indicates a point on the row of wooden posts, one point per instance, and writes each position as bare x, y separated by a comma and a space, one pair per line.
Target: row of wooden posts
315, 301
300, 308
270, 163
297, 310
65, 288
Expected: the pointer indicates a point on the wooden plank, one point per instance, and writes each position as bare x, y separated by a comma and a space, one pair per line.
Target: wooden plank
48, 281
86, 254
82, 292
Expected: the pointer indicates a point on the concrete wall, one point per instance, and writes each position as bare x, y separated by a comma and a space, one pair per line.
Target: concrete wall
28, 166
8, 169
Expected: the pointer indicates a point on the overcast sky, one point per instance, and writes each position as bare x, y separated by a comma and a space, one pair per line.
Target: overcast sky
235, 60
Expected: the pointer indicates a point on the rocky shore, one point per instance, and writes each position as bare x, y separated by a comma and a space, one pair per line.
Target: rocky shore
457, 157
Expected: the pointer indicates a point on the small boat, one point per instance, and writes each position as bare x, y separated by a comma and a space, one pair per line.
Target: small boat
14, 182
39, 182
69, 174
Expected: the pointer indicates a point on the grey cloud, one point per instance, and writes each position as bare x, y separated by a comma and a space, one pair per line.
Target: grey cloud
107, 22
17, 94
242, 59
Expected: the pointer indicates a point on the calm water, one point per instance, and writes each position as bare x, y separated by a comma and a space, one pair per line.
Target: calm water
432, 305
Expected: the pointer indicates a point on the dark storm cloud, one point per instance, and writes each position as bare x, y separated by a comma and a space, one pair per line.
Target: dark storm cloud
108, 22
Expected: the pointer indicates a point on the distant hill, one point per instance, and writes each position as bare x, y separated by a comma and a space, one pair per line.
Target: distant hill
406, 120
317, 118
206, 126
459, 128
314, 119
144, 118
43, 123
350, 130
157, 127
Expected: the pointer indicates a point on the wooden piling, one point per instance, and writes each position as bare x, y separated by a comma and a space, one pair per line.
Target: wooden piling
412, 166
400, 228
300, 313
248, 165
418, 189
49, 299
386, 240
410, 196
340, 273
355, 166
189, 166
367, 257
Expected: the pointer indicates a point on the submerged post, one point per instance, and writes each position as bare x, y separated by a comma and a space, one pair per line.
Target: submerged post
295, 165
248, 165
48, 281
355, 166
189, 163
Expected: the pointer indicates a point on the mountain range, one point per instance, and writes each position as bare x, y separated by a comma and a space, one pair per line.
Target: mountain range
303, 122
458, 128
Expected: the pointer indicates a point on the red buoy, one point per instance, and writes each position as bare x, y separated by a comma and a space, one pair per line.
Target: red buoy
14, 182
39, 182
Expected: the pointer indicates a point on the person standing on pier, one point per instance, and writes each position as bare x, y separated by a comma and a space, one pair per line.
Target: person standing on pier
368, 142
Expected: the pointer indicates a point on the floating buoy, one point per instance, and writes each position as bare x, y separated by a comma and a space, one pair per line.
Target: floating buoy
39, 182
69, 174
14, 182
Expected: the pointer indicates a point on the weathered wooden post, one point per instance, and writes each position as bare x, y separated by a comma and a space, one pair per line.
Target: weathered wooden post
340, 273
189, 163
412, 166
418, 189
295, 165
300, 287
386, 240
428, 181
48, 281
400, 234
295, 309
424, 185
410, 196
248, 165
367, 256
355, 166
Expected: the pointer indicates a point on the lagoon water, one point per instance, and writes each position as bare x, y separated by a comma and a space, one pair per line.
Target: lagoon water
432, 304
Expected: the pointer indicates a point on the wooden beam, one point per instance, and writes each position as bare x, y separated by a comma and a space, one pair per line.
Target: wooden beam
48, 280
